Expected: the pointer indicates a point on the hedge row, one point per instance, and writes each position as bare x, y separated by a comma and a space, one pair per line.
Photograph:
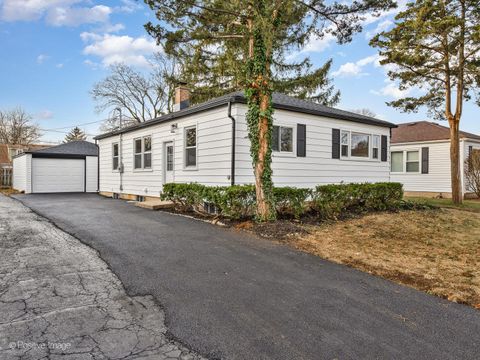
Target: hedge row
326, 201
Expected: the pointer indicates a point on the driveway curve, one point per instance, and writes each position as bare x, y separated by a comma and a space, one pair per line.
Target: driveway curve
231, 296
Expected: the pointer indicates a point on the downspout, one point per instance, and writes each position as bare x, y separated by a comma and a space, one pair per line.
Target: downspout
98, 166
232, 161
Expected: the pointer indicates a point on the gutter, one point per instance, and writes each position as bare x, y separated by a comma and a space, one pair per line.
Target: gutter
232, 161
98, 166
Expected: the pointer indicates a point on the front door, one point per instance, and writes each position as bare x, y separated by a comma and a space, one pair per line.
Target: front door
168, 163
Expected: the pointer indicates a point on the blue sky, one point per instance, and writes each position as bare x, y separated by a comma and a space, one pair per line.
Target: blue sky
53, 51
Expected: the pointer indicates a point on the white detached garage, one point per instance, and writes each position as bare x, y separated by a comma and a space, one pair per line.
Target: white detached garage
70, 167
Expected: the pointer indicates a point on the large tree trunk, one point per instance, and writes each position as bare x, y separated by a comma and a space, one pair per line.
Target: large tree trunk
263, 205
457, 197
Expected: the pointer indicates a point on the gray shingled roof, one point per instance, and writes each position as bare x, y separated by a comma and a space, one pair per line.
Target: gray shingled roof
71, 148
280, 101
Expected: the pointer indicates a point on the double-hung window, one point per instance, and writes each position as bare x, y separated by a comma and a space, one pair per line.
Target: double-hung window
191, 147
413, 161
345, 143
282, 139
396, 161
405, 161
142, 153
375, 146
115, 156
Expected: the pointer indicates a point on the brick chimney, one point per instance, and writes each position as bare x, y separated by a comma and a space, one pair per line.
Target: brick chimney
182, 97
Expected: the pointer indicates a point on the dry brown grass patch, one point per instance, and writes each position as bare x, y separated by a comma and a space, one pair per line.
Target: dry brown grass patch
437, 251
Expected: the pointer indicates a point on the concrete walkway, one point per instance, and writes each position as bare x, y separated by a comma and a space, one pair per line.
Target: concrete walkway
231, 296
59, 300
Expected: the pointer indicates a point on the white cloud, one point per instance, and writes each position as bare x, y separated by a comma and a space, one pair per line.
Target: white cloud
355, 69
129, 6
55, 12
120, 49
391, 90
44, 115
382, 26
59, 66
74, 16
41, 58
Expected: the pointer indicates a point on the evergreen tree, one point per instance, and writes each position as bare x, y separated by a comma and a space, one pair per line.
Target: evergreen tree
75, 134
237, 44
435, 48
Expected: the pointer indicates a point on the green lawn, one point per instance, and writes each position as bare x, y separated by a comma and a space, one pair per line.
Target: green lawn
472, 205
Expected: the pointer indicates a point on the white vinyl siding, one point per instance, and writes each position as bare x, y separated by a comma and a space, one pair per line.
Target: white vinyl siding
438, 177
213, 149
213, 154
317, 167
22, 173
92, 173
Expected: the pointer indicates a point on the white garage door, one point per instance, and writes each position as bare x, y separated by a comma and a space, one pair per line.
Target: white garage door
58, 175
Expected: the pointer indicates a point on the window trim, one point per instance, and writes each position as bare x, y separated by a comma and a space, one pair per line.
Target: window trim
118, 157
279, 152
404, 161
185, 129
142, 153
370, 146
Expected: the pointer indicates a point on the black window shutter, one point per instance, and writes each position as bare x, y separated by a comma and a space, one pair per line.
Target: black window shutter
301, 140
384, 156
470, 151
425, 160
335, 143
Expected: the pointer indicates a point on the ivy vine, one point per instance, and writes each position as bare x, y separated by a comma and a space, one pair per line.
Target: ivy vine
259, 89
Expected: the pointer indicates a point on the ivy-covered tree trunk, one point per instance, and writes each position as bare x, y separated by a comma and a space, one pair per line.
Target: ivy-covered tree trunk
259, 120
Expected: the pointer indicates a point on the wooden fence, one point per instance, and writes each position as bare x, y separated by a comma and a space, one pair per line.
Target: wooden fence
6, 177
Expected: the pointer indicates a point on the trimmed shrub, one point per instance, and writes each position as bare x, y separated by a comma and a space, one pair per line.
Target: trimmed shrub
185, 197
236, 202
332, 201
291, 201
329, 201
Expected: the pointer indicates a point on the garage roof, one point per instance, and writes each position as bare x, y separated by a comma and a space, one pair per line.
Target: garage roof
280, 101
78, 148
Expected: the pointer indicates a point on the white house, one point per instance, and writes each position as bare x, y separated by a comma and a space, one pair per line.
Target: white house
420, 158
70, 167
208, 143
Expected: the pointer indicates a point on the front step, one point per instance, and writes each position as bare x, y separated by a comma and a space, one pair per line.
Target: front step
155, 204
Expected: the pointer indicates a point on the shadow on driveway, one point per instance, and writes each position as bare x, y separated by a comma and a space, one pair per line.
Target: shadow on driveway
232, 296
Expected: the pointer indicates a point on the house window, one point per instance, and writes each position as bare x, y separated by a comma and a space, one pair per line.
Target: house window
169, 158
397, 161
142, 153
282, 139
413, 161
375, 146
115, 157
191, 146
344, 143
360, 145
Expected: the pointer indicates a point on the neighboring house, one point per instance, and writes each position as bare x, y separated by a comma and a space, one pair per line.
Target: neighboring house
8, 151
208, 143
420, 158
70, 167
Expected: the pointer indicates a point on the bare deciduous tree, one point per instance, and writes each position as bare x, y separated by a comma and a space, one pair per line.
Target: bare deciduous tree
16, 127
140, 96
472, 172
365, 111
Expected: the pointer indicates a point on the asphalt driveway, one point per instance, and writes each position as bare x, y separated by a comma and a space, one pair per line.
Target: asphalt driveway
231, 296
